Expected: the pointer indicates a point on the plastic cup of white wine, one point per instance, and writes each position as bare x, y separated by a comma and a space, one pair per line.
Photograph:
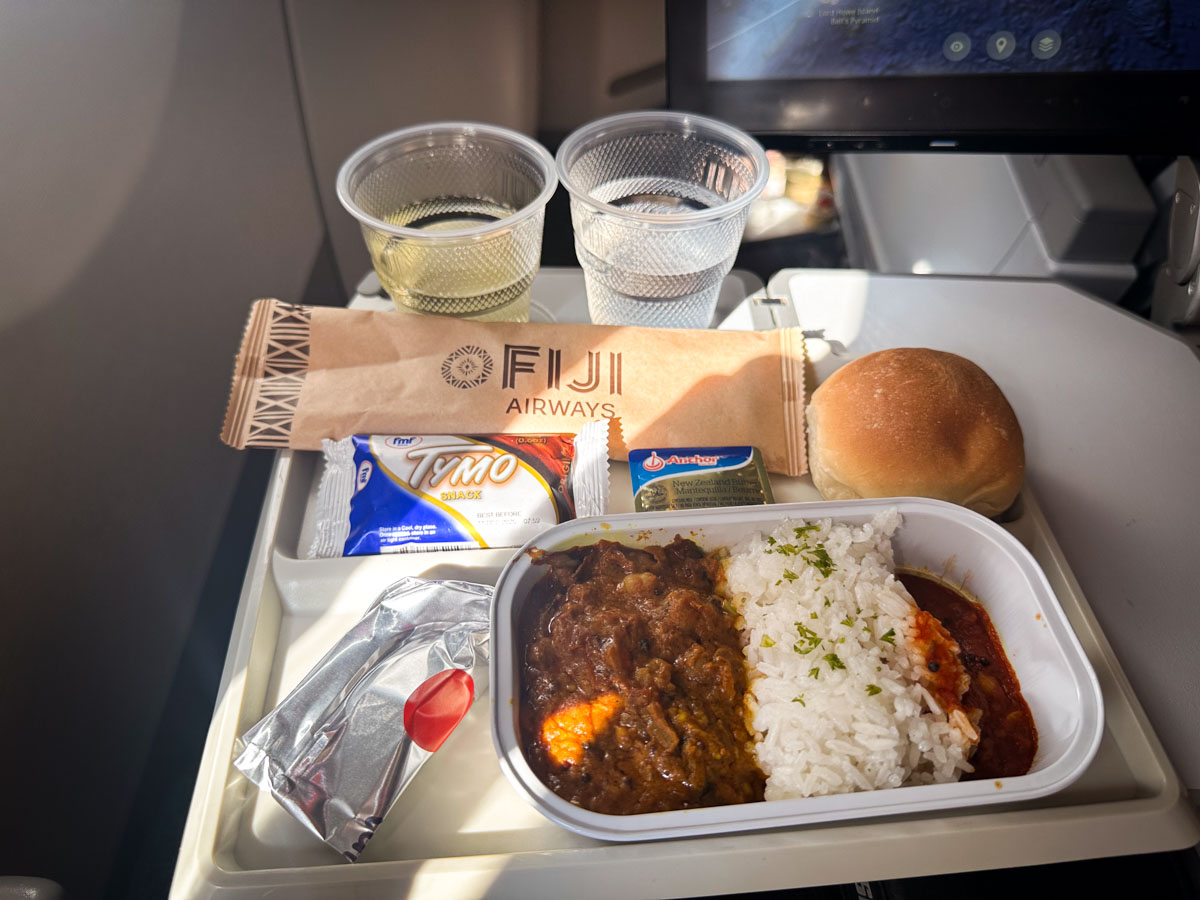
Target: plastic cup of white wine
452, 215
659, 201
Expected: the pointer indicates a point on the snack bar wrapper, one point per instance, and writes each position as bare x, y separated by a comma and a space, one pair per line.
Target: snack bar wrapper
342, 745
305, 374
408, 492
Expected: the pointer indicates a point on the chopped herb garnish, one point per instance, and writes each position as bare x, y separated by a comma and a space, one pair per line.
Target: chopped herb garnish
728, 607
766, 641
809, 640
785, 549
814, 672
826, 601
841, 640
848, 622
890, 636
866, 628
834, 662
818, 558
812, 615
790, 575
799, 700
873, 689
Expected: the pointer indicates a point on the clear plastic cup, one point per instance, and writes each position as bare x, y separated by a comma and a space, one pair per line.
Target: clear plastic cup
658, 204
452, 215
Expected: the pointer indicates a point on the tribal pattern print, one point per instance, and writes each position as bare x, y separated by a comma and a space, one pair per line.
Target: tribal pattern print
285, 364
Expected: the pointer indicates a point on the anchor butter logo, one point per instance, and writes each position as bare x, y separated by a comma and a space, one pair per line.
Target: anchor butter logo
653, 462
467, 367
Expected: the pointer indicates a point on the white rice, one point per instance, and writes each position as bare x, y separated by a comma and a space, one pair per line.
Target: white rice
860, 721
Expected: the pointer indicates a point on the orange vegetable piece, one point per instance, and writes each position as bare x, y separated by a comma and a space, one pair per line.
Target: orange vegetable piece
565, 732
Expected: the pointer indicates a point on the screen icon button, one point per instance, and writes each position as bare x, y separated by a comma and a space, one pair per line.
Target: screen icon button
956, 47
1046, 43
1001, 45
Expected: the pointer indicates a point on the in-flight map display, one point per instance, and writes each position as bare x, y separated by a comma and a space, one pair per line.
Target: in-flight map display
789, 39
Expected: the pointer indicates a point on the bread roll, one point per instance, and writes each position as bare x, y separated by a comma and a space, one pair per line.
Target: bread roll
914, 422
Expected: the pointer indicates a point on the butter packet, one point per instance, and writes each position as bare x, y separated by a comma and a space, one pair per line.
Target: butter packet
698, 477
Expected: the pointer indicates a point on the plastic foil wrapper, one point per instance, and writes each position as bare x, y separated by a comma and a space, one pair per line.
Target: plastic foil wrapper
399, 493
342, 746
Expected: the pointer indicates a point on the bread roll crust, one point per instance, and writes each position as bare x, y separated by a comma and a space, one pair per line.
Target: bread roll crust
915, 422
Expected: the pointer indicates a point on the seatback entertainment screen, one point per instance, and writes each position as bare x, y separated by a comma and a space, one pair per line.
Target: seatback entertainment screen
767, 39
1010, 75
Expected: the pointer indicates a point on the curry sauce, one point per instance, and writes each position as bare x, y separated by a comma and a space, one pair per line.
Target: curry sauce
632, 682
1008, 737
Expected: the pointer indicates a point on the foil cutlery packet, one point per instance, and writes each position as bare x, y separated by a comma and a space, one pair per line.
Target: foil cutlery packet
339, 749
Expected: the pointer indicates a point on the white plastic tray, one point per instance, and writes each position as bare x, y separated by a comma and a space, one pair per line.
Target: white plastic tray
1056, 679
462, 830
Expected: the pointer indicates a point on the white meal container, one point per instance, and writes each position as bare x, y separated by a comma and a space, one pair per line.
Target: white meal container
1056, 679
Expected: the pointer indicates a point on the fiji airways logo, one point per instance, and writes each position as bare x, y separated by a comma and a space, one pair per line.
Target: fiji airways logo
654, 462
467, 367
471, 366
603, 370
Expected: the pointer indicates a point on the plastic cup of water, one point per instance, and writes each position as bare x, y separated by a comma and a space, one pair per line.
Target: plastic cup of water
452, 215
658, 204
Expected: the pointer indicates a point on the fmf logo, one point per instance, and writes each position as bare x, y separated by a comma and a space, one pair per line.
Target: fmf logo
364, 475
402, 441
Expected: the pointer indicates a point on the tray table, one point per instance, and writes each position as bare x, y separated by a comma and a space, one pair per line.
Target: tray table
461, 830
